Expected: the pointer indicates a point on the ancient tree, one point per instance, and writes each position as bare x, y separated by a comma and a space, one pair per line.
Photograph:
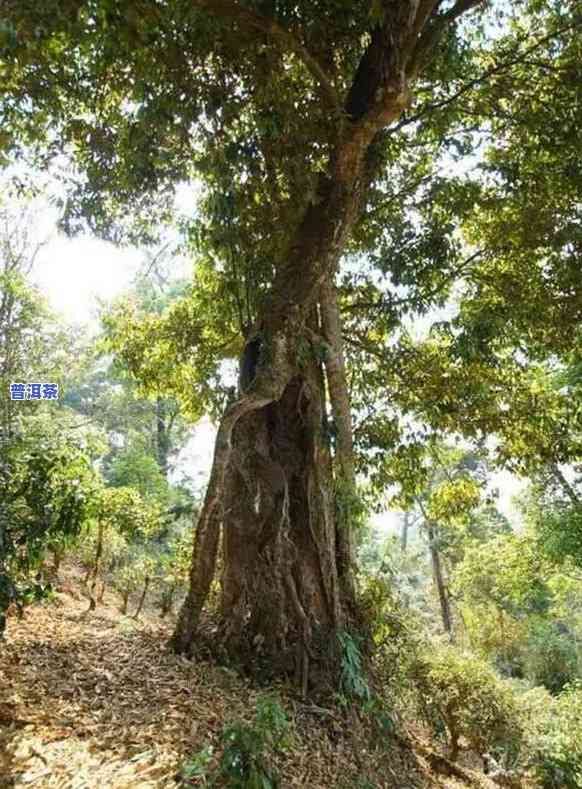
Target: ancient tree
288, 113
272, 502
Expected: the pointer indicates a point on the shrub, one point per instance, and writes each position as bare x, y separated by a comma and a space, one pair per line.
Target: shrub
46, 487
248, 750
554, 736
460, 696
550, 657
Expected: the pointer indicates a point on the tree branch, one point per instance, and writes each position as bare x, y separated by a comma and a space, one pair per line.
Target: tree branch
396, 54
483, 77
566, 486
433, 33
425, 10
391, 302
286, 39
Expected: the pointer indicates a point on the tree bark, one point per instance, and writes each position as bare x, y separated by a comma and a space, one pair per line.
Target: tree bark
345, 473
162, 435
286, 395
280, 602
439, 581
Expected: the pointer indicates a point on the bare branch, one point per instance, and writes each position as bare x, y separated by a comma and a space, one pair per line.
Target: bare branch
154, 262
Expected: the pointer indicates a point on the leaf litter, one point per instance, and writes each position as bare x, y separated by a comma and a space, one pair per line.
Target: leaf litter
98, 700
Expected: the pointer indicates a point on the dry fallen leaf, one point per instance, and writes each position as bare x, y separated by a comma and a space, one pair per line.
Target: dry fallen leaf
87, 702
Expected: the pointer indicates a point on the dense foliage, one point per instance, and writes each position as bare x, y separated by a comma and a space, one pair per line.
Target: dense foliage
47, 486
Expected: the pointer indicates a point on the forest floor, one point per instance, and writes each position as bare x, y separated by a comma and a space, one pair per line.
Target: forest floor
96, 700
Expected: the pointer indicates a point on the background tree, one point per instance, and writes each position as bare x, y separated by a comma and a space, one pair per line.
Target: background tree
31, 337
47, 484
123, 514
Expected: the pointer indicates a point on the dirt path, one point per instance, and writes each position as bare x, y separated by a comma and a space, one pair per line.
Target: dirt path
91, 700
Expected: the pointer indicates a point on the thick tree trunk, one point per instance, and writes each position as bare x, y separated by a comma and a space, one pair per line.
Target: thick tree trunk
279, 584
281, 603
271, 486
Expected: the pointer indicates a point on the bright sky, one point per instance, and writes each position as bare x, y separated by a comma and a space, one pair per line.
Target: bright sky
76, 274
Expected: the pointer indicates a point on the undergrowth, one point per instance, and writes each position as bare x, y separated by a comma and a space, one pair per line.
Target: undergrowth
246, 753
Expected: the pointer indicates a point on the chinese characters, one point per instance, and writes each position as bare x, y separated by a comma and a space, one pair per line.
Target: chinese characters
34, 391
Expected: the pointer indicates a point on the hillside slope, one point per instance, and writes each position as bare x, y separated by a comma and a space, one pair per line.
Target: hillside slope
97, 700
